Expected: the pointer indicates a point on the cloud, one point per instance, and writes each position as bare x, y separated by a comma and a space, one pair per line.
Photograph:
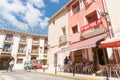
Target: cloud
23, 13
55, 1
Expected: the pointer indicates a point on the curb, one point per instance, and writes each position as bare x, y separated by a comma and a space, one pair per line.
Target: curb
68, 76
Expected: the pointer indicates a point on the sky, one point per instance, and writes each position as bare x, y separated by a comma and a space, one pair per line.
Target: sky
29, 16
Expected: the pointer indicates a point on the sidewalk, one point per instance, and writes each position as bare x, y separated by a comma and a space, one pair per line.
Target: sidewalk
70, 75
1, 78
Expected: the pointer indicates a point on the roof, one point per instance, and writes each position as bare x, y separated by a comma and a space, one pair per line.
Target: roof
63, 8
21, 33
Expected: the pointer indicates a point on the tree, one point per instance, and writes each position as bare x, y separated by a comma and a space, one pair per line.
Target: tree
44, 61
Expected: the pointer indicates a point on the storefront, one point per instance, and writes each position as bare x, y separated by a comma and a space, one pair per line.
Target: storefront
87, 51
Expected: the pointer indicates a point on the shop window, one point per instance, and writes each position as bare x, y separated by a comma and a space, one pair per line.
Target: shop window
19, 61
76, 7
91, 17
75, 29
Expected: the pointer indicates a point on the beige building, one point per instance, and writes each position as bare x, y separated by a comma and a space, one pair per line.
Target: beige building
114, 14
57, 38
22, 47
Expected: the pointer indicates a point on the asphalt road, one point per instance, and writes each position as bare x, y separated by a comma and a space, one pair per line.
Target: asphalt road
25, 75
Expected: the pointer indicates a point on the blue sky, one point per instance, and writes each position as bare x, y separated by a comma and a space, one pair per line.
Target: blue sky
28, 16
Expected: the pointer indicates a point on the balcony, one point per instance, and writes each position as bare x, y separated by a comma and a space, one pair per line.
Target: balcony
21, 51
63, 39
35, 43
6, 51
8, 40
92, 29
21, 55
45, 55
22, 42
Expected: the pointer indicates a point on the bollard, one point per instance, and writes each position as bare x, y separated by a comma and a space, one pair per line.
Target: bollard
43, 69
73, 69
55, 69
107, 74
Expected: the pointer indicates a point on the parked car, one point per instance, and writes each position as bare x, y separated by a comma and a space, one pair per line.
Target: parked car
36, 64
28, 65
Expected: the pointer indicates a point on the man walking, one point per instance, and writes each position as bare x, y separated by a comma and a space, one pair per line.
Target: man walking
11, 64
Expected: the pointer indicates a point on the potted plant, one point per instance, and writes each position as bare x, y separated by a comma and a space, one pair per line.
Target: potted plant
44, 62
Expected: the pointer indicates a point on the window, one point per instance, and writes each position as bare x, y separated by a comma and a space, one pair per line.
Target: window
9, 37
20, 61
91, 17
23, 38
21, 49
7, 47
64, 30
35, 50
87, 2
75, 7
75, 29
54, 22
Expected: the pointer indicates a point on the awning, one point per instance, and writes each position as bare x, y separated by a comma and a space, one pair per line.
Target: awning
109, 43
89, 43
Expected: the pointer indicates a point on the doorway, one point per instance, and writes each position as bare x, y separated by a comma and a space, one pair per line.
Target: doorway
102, 56
4, 61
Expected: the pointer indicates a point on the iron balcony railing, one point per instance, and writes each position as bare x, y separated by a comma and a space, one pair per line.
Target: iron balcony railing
62, 39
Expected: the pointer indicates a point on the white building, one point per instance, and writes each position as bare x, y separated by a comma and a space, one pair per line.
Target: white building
22, 47
57, 38
114, 14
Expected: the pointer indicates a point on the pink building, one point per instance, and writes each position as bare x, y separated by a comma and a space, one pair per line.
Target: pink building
87, 28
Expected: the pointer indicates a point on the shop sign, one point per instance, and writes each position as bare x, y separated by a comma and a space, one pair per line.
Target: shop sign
91, 25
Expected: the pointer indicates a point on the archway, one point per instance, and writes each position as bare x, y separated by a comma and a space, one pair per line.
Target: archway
4, 61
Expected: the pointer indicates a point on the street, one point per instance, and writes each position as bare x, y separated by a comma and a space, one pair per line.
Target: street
24, 75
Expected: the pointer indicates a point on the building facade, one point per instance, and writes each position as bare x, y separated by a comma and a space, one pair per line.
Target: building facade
22, 47
87, 27
57, 38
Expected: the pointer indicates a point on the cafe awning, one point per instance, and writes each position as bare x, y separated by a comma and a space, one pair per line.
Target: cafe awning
89, 43
109, 43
